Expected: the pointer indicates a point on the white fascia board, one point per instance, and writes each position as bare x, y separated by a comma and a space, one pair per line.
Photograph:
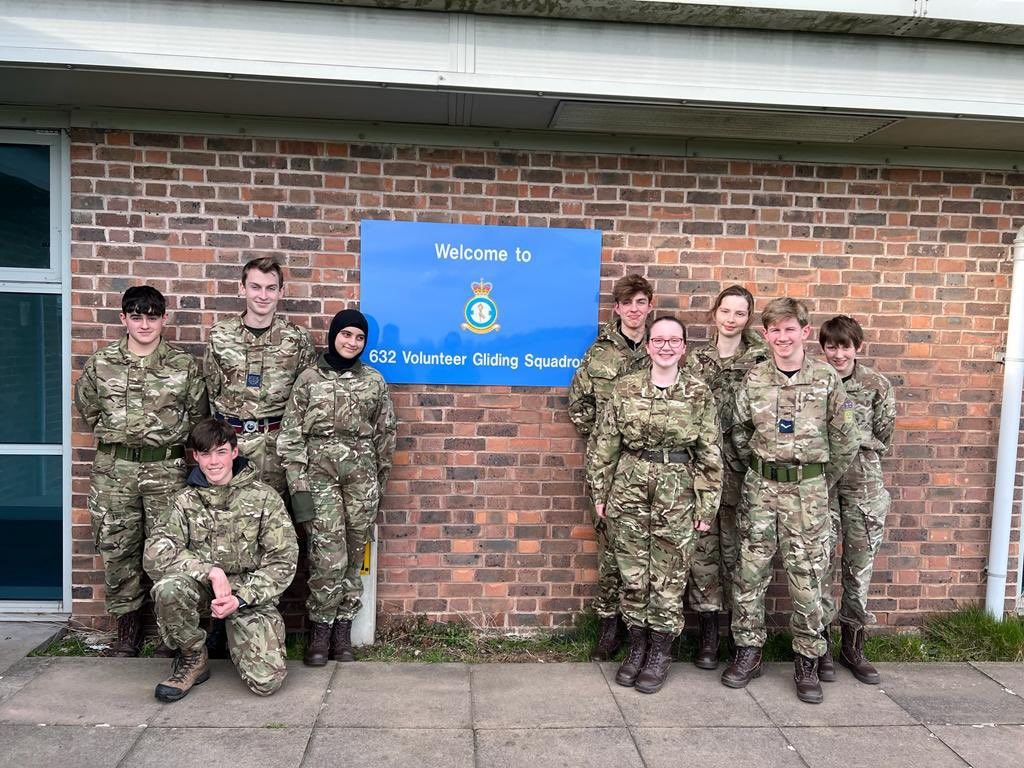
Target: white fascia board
593, 60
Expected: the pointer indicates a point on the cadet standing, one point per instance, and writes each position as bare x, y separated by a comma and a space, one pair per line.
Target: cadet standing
139, 395
250, 366
721, 364
336, 443
859, 500
618, 350
795, 428
656, 476
229, 544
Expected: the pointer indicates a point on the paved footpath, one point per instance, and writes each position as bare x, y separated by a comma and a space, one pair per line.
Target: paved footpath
97, 712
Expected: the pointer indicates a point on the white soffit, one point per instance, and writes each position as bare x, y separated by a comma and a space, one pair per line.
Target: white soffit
686, 122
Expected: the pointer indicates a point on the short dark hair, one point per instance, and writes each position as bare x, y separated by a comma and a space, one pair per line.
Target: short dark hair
143, 300
841, 330
671, 319
734, 290
629, 286
265, 264
211, 433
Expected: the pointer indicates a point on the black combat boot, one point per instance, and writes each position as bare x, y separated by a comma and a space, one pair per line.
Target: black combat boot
746, 665
634, 661
707, 653
852, 656
659, 659
318, 645
341, 641
129, 635
826, 667
609, 639
805, 675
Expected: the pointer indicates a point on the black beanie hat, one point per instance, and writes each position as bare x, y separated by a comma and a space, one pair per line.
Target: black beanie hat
347, 318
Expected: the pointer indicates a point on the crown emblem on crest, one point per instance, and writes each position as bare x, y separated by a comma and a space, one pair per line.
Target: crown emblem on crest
481, 288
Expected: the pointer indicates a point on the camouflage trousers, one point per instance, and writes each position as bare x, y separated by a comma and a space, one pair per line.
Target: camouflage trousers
651, 512
260, 448
717, 553
609, 583
125, 500
859, 504
255, 633
792, 518
346, 495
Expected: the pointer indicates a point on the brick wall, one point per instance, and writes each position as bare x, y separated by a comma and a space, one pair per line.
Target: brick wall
485, 516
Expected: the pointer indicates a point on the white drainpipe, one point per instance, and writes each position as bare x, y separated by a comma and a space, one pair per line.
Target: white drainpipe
1009, 439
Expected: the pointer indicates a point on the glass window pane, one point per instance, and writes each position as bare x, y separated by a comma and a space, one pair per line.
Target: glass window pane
31, 532
30, 368
24, 206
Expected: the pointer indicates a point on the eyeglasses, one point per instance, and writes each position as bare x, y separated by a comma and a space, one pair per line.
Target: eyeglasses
675, 343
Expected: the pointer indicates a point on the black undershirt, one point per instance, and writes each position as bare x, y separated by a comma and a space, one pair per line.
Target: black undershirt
787, 374
257, 332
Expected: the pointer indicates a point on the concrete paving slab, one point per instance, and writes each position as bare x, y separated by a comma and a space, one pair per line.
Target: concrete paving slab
847, 702
729, 747
1008, 674
19, 674
390, 748
296, 703
83, 746
205, 747
88, 691
542, 696
382, 695
690, 697
901, 746
20, 638
984, 746
557, 747
953, 694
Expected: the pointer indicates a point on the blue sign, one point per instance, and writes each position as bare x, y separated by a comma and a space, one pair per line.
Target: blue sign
471, 304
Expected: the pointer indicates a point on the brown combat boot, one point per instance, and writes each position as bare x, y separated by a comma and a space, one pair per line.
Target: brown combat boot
707, 653
826, 667
634, 661
609, 639
318, 645
129, 635
659, 659
188, 669
852, 656
805, 675
746, 665
341, 641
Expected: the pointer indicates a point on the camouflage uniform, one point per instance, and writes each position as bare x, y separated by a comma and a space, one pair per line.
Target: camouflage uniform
652, 504
337, 440
251, 377
134, 402
803, 420
244, 528
609, 357
859, 501
718, 549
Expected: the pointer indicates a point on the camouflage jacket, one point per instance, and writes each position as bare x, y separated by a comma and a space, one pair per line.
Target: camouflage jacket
806, 419
724, 377
609, 357
337, 411
251, 377
874, 406
639, 416
243, 527
141, 401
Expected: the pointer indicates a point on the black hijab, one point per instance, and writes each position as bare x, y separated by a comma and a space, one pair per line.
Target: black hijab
347, 318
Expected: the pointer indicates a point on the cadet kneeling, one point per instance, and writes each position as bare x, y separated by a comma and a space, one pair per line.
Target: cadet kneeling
227, 543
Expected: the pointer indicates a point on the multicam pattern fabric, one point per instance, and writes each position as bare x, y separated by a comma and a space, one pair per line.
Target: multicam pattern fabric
244, 528
805, 419
717, 552
608, 358
337, 441
135, 401
859, 502
651, 507
251, 377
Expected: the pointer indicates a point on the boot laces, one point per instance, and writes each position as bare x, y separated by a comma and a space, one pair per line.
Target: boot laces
806, 668
183, 664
